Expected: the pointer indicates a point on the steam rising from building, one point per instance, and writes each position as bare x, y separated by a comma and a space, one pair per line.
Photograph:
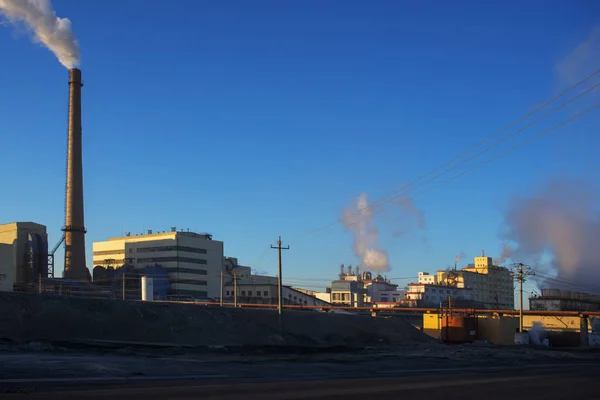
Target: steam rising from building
459, 257
562, 221
366, 233
505, 255
48, 29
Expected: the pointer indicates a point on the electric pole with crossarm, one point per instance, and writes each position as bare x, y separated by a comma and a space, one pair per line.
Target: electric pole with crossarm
521, 271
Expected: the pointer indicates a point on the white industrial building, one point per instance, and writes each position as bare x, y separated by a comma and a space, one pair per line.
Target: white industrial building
432, 295
267, 293
193, 261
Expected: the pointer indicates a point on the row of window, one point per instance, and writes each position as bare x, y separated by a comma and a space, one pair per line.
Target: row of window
188, 281
186, 270
174, 258
109, 252
196, 294
170, 248
243, 293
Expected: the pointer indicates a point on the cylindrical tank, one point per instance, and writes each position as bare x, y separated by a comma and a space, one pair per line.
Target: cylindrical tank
147, 288
459, 329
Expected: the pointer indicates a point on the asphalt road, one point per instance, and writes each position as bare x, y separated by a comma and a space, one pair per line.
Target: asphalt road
559, 381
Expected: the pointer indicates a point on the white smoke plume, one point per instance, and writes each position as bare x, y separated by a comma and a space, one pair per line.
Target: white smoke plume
53, 32
365, 235
505, 255
459, 257
562, 221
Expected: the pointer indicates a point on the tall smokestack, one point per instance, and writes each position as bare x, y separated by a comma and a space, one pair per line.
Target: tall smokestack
74, 229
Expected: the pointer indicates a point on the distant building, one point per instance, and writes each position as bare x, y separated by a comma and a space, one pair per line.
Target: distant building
356, 289
491, 285
432, 295
560, 300
427, 278
23, 255
348, 293
267, 293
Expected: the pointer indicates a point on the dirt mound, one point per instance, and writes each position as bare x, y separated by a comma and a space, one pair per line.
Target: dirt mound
30, 317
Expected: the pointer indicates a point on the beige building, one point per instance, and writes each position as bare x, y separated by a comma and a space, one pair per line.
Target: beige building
192, 261
267, 293
23, 254
491, 285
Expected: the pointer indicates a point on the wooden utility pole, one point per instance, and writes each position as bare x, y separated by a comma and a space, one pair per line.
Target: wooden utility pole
234, 289
521, 272
221, 295
279, 281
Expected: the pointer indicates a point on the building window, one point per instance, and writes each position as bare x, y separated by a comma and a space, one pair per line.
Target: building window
227, 293
250, 293
170, 248
243, 293
265, 293
167, 259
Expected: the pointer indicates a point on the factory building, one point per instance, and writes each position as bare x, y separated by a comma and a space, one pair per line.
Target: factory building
560, 300
356, 289
267, 293
193, 261
23, 255
491, 285
432, 295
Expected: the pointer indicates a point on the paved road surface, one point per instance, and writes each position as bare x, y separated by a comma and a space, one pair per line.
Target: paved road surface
549, 382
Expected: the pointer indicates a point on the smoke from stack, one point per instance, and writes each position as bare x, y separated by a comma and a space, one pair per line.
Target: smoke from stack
53, 32
366, 234
505, 255
459, 257
561, 221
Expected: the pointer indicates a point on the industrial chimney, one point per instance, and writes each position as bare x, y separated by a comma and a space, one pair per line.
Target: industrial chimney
74, 229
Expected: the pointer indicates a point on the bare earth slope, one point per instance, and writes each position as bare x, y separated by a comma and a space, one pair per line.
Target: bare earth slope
30, 317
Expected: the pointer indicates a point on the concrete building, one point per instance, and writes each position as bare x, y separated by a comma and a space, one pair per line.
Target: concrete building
491, 285
267, 293
560, 300
429, 295
348, 293
23, 255
193, 261
427, 278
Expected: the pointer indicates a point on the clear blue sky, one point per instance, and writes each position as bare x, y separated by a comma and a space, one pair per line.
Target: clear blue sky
253, 119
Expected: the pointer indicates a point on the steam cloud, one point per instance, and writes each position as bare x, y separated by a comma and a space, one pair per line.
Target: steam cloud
561, 220
365, 235
50, 30
459, 257
505, 255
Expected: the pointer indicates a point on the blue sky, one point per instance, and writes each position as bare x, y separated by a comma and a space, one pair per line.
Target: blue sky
251, 120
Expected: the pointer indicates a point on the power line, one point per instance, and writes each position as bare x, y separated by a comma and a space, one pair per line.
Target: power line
391, 197
504, 139
517, 146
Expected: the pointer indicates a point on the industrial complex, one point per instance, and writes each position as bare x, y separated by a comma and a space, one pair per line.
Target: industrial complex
475, 302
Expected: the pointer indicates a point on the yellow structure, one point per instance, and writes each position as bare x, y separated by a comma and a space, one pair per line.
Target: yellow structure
15, 268
491, 285
501, 329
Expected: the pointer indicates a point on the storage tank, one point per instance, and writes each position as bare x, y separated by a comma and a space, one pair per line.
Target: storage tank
147, 288
459, 329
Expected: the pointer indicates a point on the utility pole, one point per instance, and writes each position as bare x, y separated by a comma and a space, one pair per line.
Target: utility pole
521, 272
221, 295
234, 289
123, 286
279, 281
